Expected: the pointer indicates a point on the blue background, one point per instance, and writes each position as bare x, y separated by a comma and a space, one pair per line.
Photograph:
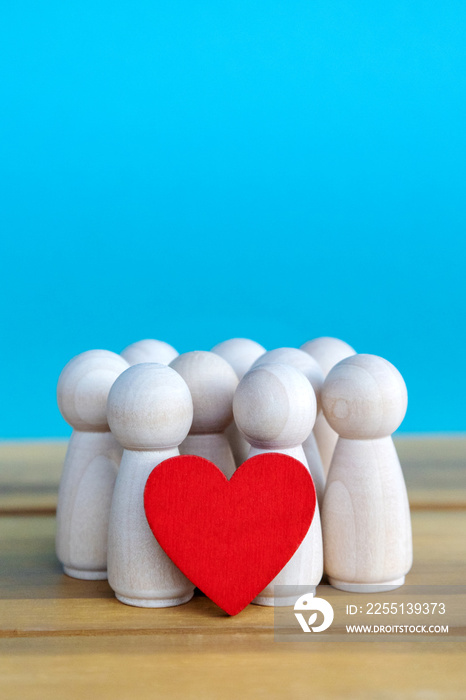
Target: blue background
197, 171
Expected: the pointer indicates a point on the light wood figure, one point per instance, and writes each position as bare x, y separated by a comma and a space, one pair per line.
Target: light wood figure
91, 463
311, 370
275, 409
241, 353
328, 352
149, 350
212, 383
365, 517
149, 412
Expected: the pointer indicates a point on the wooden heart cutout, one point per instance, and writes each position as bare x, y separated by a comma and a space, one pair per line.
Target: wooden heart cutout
230, 537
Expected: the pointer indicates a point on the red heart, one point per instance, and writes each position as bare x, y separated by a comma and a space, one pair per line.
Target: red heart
230, 538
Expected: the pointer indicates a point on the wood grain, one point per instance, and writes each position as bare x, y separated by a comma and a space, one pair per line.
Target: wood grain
35, 597
434, 469
29, 475
64, 637
61, 637
147, 667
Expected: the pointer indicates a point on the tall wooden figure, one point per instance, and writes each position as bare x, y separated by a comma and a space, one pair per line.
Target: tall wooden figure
149, 350
91, 463
327, 352
212, 382
150, 412
365, 518
275, 409
312, 371
240, 353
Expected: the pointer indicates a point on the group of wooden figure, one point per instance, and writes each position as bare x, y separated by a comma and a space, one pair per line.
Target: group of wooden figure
326, 406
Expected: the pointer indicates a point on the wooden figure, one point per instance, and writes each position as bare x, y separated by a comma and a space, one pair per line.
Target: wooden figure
327, 352
311, 370
91, 463
275, 409
212, 383
149, 350
365, 517
241, 353
149, 412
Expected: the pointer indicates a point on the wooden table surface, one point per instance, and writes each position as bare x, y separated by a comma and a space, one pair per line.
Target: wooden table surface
64, 638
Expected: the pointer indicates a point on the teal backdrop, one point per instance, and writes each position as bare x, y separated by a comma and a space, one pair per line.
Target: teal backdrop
194, 171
